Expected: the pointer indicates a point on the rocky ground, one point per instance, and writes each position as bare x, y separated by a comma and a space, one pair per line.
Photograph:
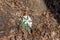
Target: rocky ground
44, 27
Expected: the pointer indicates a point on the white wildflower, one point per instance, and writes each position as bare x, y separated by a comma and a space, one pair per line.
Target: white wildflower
27, 20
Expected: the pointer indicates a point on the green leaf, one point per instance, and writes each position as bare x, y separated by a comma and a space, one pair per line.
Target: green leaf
25, 26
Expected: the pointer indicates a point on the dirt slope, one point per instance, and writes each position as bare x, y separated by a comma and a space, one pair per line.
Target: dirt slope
44, 26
